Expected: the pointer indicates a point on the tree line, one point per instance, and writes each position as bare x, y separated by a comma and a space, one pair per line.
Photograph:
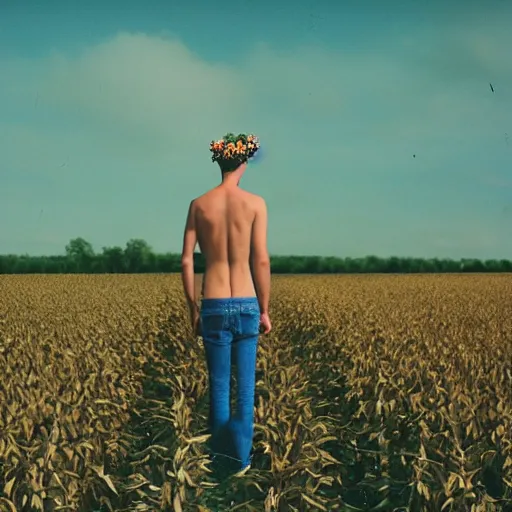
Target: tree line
138, 257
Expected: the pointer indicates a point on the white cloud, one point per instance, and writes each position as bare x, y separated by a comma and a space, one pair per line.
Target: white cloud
145, 83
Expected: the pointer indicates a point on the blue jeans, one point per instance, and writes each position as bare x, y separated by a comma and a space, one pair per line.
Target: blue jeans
230, 329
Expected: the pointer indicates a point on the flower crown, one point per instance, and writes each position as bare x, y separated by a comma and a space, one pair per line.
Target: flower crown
234, 147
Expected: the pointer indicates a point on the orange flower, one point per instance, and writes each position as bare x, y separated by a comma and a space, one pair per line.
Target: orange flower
216, 145
223, 148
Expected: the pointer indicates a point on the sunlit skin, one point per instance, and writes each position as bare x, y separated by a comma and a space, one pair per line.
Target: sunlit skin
230, 226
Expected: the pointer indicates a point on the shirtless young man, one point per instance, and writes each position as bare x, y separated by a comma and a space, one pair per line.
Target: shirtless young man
230, 225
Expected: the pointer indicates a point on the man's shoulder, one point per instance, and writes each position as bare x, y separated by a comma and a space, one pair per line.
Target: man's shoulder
203, 197
255, 198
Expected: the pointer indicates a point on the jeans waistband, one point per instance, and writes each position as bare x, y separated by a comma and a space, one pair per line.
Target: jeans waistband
227, 302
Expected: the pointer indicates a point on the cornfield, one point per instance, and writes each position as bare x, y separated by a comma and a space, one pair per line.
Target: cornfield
373, 393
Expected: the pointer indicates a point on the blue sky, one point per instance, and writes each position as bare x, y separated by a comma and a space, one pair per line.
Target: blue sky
107, 110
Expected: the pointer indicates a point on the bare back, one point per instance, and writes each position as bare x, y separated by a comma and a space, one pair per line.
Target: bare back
224, 219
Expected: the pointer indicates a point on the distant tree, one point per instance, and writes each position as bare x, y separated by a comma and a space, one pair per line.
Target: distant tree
169, 263
199, 263
56, 264
472, 265
331, 265
312, 265
372, 264
492, 265
279, 265
295, 264
80, 254
506, 265
113, 260
392, 265
350, 265
137, 255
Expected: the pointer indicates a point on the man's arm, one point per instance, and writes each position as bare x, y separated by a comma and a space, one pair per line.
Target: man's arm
260, 260
187, 261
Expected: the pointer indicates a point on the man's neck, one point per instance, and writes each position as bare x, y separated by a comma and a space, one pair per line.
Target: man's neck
230, 180
229, 184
